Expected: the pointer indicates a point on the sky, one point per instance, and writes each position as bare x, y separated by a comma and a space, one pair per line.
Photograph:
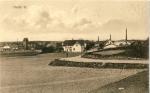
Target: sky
54, 20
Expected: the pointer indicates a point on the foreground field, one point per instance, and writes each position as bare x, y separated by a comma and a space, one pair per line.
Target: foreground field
137, 83
33, 75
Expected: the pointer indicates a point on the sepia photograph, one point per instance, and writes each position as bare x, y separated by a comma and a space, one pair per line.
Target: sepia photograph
74, 46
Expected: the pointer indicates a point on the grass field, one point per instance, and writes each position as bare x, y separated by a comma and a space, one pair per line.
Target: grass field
137, 83
34, 75
109, 52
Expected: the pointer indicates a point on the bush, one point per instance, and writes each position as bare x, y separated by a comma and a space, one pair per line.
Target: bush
49, 49
139, 49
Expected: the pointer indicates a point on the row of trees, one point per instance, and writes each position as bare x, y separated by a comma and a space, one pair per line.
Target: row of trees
51, 48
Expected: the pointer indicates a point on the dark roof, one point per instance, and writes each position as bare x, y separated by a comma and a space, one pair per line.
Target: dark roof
72, 42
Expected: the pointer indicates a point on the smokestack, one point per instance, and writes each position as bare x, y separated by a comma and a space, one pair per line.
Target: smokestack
110, 37
126, 36
98, 38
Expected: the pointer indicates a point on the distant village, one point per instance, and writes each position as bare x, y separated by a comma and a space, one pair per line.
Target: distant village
68, 45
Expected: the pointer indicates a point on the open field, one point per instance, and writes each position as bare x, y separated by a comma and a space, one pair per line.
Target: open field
109, 52
137, 83
34, 75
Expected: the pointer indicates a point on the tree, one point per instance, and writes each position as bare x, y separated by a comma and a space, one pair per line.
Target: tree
139, 49
49, 49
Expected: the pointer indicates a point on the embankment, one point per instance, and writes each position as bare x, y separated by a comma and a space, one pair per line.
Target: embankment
59, 62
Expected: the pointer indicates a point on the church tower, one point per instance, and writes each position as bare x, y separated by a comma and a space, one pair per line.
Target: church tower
25, 43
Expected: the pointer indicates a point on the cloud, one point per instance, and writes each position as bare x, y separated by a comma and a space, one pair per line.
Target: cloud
82, 22
75, 9
117, 27
59, 18
44, 19
114, 24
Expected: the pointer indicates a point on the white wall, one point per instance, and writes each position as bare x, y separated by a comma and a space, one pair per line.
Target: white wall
76, 48
67, 48
110, 46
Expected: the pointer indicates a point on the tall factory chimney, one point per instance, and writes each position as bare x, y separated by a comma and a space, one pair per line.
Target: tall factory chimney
110, 37
126, 38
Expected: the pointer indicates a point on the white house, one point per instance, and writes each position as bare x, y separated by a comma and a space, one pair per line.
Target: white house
74, 45
122, 43
114, 44
5, 48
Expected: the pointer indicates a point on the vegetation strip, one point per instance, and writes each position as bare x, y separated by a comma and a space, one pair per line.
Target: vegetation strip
58, 62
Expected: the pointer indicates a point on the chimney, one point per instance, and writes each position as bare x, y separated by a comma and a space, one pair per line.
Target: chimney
126, 38
110, 37
98, 38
